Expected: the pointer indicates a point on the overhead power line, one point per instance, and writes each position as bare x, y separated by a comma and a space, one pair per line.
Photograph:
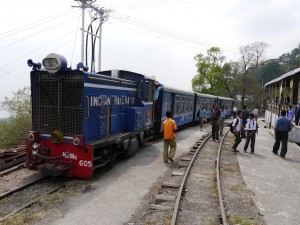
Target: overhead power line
149, 4
47, 29
35, 24
170, 33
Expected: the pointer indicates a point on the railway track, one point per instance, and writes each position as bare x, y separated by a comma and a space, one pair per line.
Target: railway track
191, 193
15, 200
13, 157
182, 195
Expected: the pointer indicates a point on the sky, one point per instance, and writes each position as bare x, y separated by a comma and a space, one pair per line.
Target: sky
157, 38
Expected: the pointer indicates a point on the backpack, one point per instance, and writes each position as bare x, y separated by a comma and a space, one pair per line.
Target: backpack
231, 127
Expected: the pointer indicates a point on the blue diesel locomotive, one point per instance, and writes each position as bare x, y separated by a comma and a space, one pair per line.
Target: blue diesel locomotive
82, 120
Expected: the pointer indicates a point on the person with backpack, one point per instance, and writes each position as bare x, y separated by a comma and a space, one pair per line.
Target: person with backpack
201, 113
244, 120
236, 128
251, 133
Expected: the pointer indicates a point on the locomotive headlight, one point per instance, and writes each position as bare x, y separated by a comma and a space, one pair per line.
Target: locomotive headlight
33, 135
30, 137
54, 63
76, 141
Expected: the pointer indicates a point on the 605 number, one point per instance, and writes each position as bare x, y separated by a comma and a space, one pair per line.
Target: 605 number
85, 163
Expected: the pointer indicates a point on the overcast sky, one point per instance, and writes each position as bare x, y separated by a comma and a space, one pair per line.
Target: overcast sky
180, 29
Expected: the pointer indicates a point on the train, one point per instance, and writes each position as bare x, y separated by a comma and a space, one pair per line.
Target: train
82, 121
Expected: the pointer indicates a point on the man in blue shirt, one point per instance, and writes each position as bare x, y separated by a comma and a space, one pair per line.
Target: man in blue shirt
282, 127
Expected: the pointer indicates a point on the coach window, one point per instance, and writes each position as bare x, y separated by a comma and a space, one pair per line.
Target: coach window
177, 105
183, 109
191, 104
166, 108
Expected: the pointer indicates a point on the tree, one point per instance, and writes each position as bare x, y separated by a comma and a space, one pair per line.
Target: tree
210, 77
270, 71
231, 78
251, 56
258, 48
13, 131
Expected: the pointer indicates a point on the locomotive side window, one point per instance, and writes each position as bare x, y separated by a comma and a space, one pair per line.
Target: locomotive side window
149, 93
139, 90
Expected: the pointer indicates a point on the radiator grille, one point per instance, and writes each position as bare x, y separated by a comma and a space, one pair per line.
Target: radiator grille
58, 102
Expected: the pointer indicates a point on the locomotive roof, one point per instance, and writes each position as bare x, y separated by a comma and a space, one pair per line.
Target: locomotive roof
123, 74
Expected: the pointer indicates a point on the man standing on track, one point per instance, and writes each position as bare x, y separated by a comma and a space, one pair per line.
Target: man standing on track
222, 120
282, 127
215, 116
169, 128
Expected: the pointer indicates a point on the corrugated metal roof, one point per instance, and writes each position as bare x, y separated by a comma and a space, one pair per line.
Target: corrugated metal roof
284, 76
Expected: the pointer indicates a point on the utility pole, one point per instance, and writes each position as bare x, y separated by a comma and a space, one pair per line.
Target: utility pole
102, 16
83, 5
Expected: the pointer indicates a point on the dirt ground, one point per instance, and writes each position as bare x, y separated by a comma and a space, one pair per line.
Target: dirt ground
238, 199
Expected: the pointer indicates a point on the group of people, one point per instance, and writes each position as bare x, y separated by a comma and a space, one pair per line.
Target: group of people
217, 120
245, 126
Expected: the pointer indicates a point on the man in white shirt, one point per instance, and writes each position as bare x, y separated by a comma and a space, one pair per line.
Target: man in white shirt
255, 112
251, 130
237, 127
234, 111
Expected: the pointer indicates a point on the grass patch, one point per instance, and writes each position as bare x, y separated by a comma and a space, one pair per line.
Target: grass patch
45, 205
242, 221
210, 220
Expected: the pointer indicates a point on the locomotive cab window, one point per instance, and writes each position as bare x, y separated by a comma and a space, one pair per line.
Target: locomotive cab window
149, 91
139, 90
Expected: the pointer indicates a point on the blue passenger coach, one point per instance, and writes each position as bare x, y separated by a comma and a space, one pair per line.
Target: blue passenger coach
227, 103
179, 102
207, 101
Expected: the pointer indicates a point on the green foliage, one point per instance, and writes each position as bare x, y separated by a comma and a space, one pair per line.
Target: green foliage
210, 76
13, 131
270, 71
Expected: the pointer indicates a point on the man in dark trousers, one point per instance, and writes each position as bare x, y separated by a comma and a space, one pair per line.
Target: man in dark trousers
282, 127
215, 117
244, 120
237, 127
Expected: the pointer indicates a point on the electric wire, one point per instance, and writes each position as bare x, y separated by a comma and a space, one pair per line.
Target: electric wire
29, 36
75, 40
40, 56
34, 24
37, 49
148, 4
169, 33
